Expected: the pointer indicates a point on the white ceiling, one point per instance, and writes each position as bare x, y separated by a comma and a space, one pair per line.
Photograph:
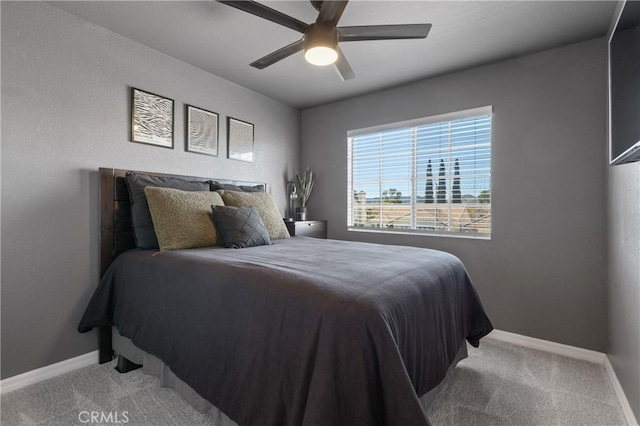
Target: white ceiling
223, 40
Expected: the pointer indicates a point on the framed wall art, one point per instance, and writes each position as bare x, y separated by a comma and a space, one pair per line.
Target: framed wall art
202, 131
239, 140
151, 119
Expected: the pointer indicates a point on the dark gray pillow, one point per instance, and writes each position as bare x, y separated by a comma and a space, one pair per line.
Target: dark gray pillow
215, 185
240, 227
141, 221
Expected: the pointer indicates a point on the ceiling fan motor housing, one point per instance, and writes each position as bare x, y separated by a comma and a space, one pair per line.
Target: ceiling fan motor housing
321, 35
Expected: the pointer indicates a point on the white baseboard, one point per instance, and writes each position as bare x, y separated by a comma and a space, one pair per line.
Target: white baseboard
571, 352
34, 376
548, 346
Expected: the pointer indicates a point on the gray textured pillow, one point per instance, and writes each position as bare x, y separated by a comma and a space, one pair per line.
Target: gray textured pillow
266, 207
215, 185
240, 227
141, 221
183, 219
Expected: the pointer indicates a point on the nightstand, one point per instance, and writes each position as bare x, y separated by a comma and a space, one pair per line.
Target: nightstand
307, 228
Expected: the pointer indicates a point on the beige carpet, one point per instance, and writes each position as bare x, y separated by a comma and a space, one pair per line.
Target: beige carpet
499, 384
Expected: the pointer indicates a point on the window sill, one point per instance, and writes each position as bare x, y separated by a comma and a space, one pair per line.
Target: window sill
421, 234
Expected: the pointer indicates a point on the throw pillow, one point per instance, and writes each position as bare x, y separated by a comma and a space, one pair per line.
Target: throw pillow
240, 227
183, 219
266, 208
141, 221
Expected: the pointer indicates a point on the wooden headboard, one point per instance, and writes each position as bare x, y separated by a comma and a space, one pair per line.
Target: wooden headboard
116, 230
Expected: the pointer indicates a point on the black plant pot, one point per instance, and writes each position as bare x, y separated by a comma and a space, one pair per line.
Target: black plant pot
301, 213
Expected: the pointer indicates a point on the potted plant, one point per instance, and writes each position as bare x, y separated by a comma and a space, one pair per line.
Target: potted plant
304, 186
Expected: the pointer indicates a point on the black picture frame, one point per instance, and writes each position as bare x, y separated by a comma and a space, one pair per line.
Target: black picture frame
152, 119
202, 131
240, 140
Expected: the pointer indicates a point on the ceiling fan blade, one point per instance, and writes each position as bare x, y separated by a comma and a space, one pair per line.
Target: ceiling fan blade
267, 13
278, 55
342, 66
383, 32
331, 11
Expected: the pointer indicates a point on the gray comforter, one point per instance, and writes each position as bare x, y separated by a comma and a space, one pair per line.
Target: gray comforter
302, 332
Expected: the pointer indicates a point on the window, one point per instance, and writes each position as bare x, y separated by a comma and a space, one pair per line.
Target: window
427, 176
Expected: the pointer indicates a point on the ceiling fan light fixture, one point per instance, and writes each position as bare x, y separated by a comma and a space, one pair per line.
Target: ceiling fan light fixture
321, 44
321, 55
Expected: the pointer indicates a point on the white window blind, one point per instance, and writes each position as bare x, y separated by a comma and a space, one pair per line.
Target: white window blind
428, 176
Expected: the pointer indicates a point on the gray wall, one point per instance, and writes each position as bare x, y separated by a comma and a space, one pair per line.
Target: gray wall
543, 272
65, 112
624, 278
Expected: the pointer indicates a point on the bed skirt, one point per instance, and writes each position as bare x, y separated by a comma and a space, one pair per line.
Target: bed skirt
154, 367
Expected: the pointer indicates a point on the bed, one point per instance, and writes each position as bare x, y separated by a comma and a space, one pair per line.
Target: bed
300, 332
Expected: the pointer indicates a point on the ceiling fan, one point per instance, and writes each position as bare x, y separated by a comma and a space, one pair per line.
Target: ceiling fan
320, 39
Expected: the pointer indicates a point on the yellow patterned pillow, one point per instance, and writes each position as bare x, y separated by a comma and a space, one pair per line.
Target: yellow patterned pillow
266, 208
183, 219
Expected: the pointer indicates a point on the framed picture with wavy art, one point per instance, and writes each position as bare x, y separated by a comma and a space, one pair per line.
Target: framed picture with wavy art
239, 140
202, 131
151, 119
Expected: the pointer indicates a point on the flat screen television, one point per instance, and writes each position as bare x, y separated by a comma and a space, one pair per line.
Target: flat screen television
624, 86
